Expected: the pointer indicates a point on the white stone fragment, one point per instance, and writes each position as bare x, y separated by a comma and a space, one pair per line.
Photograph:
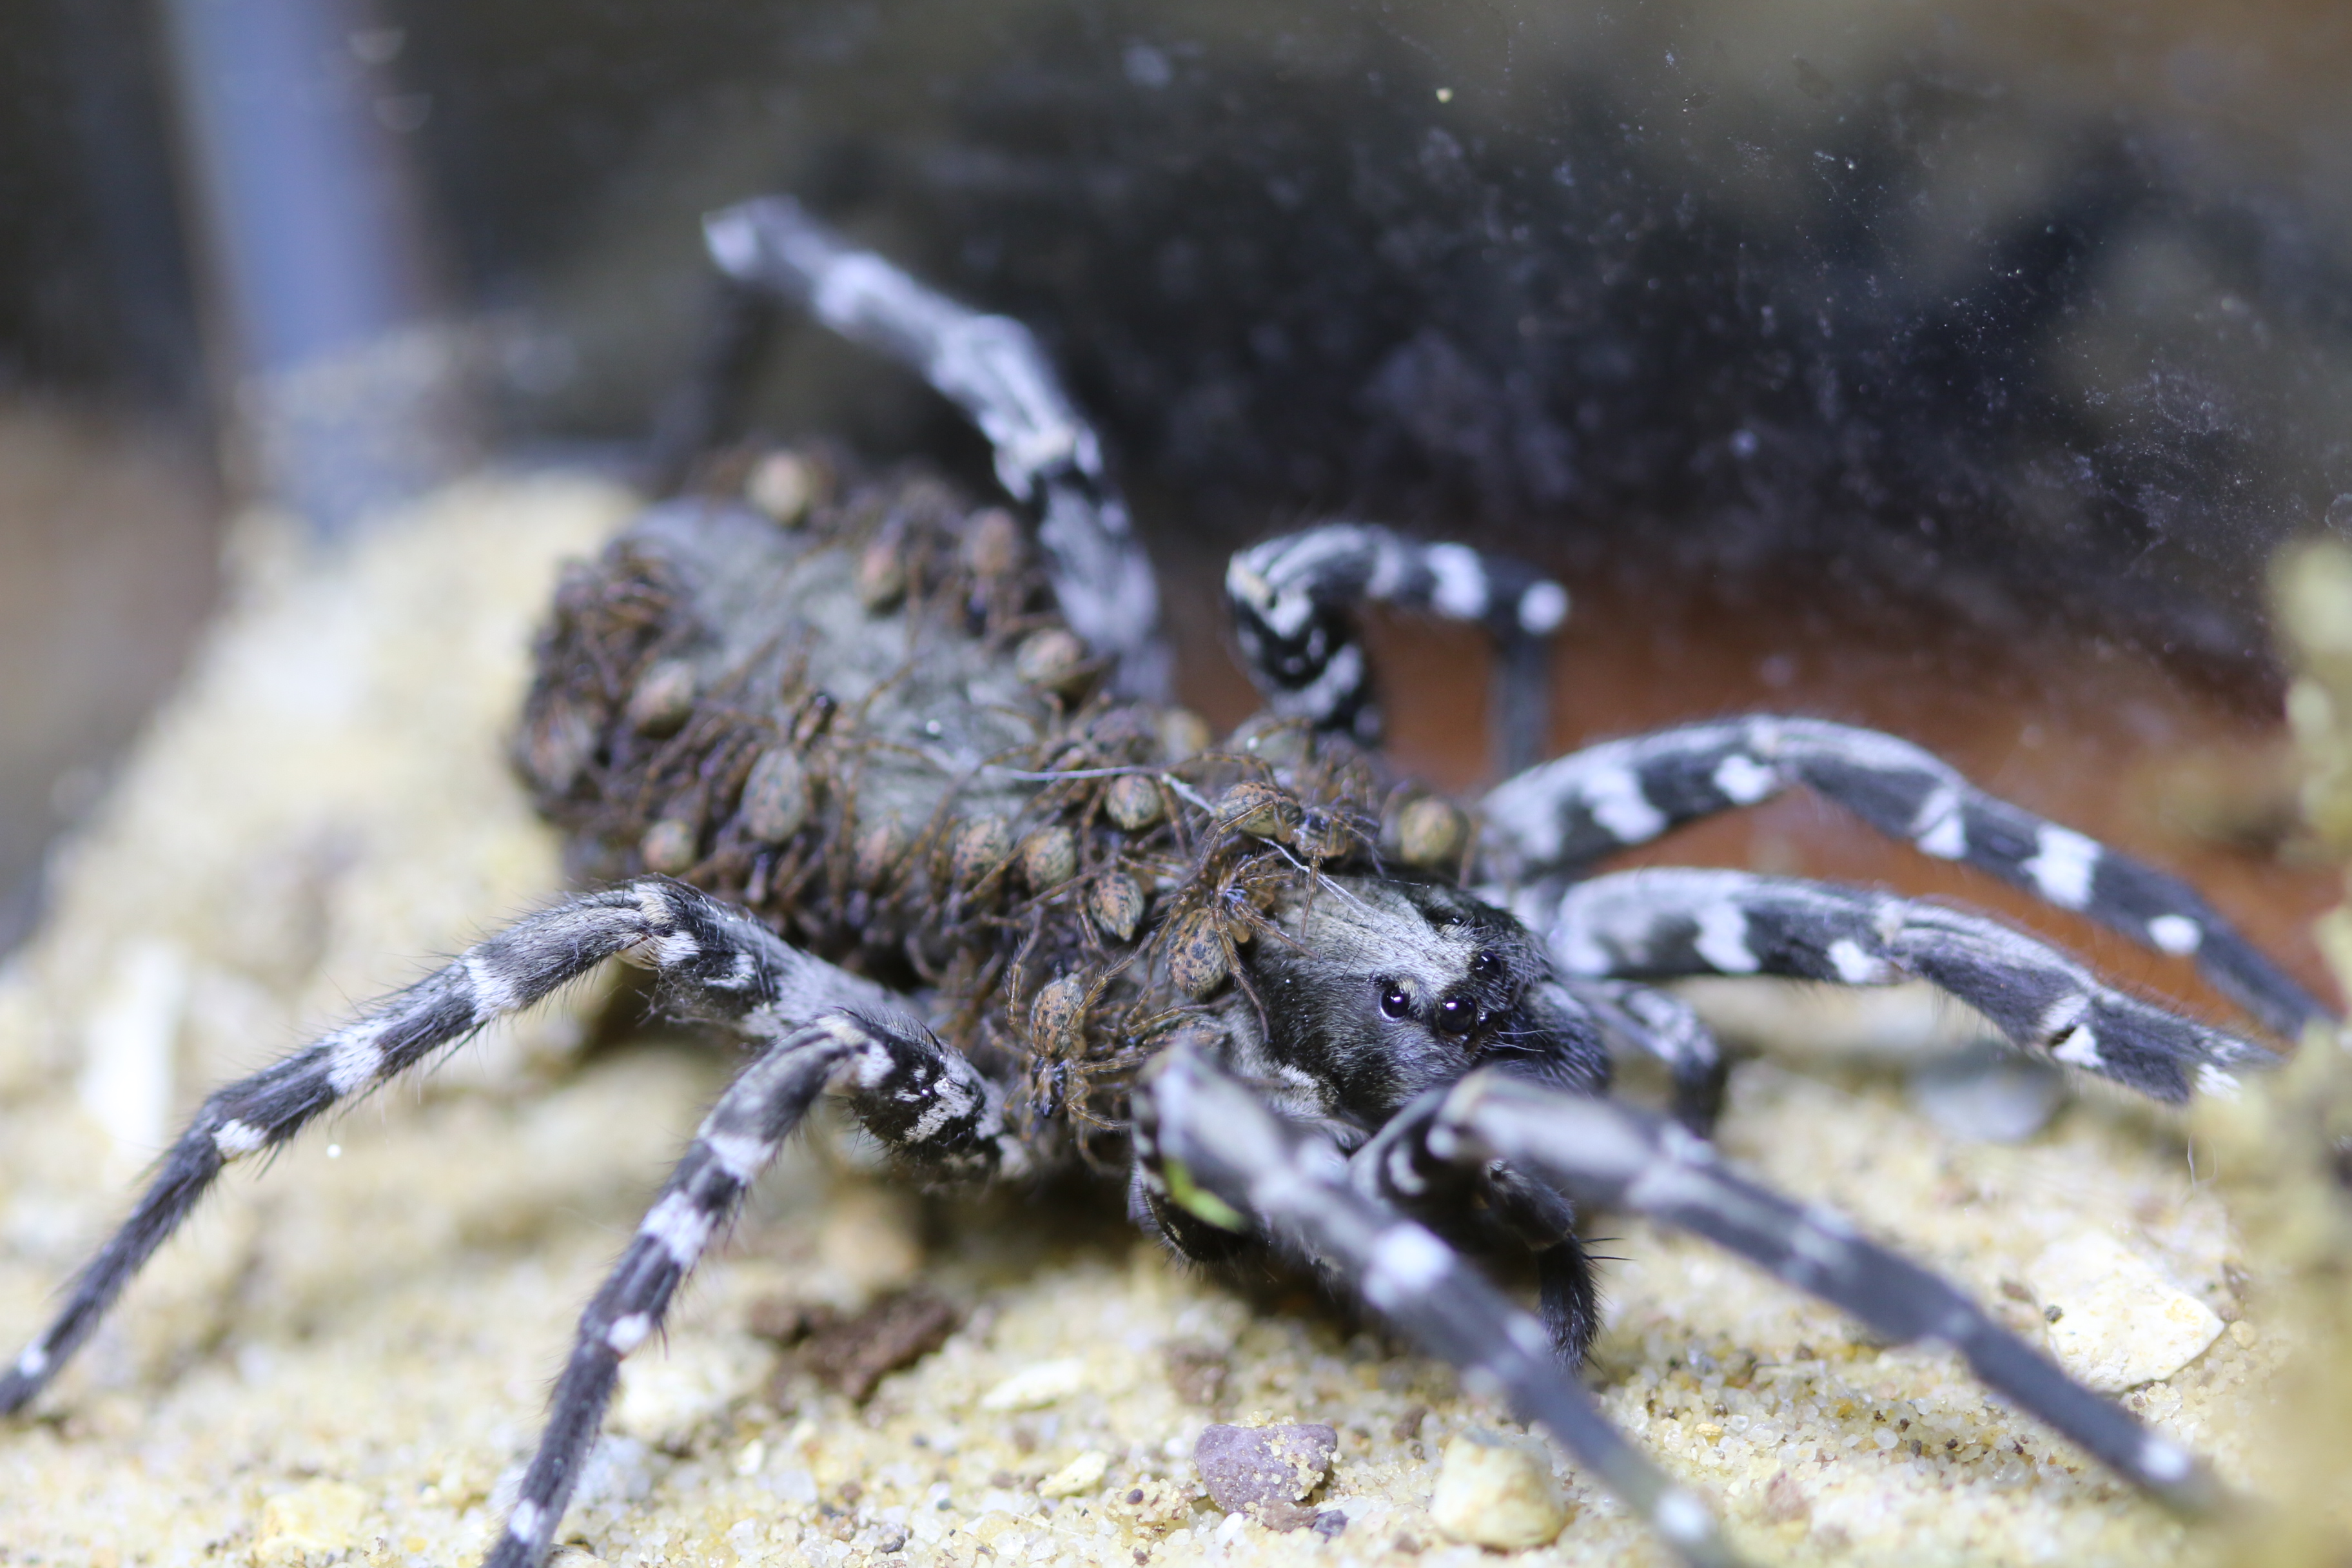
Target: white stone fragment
318, 1521
1496, 1490
1037, 1385
2115, 1322
664, 1398
1079, 1477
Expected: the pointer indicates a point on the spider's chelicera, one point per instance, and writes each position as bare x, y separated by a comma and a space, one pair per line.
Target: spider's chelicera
894, 795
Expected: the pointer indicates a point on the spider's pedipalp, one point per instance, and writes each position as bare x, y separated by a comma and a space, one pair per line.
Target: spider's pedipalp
1566, 814
1216, 1149
1664, 1027
1607, 1153
1665, 922
913, 1093
1293, 600
993, 369
731, 964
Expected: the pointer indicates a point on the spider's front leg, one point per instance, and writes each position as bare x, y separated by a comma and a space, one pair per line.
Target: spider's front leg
1219, 1153
1554, 820
1293, 601
1605, 1153
1667, 923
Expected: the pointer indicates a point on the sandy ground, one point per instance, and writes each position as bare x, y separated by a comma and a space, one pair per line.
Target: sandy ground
346, 1356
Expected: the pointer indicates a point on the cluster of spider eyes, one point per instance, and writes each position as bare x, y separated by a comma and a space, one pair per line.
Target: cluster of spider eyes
1455, 1015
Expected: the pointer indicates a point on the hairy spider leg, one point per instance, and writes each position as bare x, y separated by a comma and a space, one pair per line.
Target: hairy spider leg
727, 964
1662, 1026
665, 923
1293, 601
916, 1094
1669, 921
991, 367
1451, 1199
1555, 819
1603, 1152
1216, 1149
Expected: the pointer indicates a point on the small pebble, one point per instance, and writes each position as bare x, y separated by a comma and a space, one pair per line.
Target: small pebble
1080, 1476
1494, 1491
1197, 1371
319, 1522
1266, 1470
664, 698
1036, 1386
2118, 1322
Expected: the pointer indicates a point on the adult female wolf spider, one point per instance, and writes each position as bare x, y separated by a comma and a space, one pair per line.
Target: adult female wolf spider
901, 803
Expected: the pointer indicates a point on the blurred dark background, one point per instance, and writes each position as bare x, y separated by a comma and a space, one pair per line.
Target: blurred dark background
2016, 318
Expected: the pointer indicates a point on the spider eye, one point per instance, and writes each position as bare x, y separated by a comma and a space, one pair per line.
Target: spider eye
1395, 1002
1455, 1015
1488, 963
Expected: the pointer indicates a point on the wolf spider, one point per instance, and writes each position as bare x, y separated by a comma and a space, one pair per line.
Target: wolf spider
895, 796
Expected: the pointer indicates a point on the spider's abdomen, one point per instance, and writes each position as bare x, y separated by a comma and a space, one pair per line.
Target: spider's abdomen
838, 720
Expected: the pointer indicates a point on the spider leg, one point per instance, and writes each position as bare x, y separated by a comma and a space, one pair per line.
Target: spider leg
1292, 602
1557, 817
991, 367
1222, 1155
1669, 921
729, 961
1603, 1152
917, 1095
1662, 1025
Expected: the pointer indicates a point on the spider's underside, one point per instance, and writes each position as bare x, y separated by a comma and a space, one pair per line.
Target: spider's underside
1014, 912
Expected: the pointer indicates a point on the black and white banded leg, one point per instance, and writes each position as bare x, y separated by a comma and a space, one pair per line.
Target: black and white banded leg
991, 367
699, 946
1220, 1153
914, 1094
1294, 602
1671, 922
1604, 1153
1642, 1018
1559, 817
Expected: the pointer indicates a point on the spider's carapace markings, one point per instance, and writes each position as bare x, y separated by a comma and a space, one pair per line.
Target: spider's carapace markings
950, 861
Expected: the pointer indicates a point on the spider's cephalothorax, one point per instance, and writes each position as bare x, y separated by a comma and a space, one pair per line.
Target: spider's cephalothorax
894, 795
